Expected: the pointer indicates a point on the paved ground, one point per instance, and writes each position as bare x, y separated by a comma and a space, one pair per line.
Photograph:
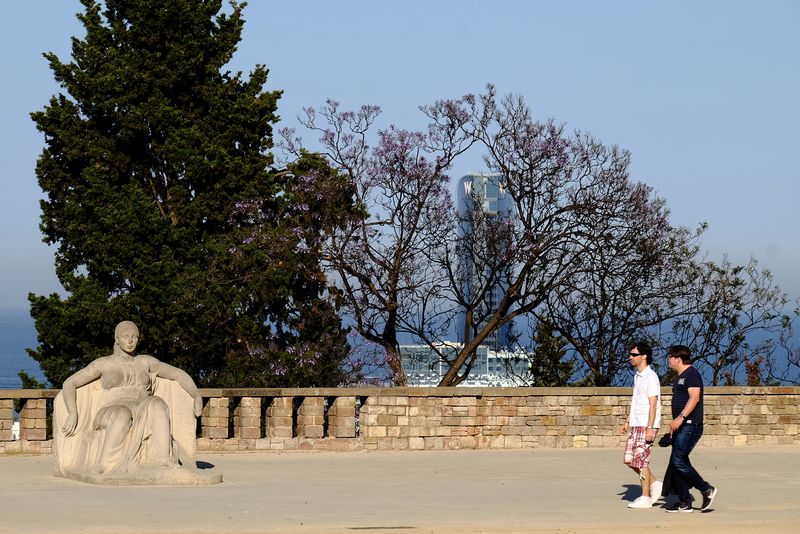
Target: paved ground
500, 492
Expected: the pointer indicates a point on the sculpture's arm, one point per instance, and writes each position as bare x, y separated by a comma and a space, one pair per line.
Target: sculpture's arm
88, 374
164, 370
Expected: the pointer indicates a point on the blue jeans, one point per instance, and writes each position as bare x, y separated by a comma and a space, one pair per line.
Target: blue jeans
686, 476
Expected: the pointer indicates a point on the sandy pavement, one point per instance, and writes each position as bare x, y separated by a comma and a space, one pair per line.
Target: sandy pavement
444, 492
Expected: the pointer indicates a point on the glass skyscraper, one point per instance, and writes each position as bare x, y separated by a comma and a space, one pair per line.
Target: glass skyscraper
484, 195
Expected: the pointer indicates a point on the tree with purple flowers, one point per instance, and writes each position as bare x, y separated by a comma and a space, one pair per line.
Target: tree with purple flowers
578, 244
414, 262
572, 207
631, 277
381, 262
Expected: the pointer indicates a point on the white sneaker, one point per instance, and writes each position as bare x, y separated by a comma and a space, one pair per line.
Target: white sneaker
641, 502
655, 491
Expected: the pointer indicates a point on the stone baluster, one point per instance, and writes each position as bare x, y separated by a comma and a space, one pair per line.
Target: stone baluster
6, 419
33, 420
311, 418
215, 418
342, 418
247, 418
279, 417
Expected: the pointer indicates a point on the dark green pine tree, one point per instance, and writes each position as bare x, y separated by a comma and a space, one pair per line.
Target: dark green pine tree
165, 207
548, 366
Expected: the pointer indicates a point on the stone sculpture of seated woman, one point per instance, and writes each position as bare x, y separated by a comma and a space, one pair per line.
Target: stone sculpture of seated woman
127, 419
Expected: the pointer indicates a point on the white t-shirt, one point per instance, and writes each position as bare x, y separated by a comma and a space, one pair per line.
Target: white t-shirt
645, 385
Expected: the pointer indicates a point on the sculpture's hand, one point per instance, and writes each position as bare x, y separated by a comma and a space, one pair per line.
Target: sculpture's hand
70, 424
198, 406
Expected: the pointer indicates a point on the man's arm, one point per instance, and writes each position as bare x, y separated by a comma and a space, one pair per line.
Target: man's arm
650, 434
694, 398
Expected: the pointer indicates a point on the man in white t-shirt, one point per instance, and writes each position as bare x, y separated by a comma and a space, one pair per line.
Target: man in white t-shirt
642, 423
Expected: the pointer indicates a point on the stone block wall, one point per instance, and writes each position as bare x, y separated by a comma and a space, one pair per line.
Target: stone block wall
491, 422
440, 418
751, 417
33, 420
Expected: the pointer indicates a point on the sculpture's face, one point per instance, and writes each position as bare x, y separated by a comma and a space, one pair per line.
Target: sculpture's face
127, 339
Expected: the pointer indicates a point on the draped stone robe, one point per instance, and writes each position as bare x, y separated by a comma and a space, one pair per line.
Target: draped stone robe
162, 425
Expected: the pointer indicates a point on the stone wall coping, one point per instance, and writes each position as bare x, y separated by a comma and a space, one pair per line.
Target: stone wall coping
427, 392
28, 393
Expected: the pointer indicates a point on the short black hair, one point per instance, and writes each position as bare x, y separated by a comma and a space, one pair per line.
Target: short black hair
681, 351
644, 348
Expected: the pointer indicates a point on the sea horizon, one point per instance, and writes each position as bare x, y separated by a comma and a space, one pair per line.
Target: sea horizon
17, 333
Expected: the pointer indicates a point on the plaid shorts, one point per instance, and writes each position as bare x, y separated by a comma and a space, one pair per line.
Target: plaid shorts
637, 450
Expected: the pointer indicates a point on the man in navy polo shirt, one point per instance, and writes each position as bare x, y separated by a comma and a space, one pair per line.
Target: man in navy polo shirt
686, 429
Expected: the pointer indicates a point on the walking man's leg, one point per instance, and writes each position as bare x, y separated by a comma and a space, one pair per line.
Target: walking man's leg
686, 476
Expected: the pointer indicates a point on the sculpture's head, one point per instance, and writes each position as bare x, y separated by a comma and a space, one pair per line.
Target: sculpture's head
126, 335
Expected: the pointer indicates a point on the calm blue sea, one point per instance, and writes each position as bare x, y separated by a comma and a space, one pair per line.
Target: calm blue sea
16, 334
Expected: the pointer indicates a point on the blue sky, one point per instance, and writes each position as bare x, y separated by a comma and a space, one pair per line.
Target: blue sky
703, 94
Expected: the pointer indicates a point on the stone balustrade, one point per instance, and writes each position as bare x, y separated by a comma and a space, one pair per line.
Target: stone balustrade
353, 419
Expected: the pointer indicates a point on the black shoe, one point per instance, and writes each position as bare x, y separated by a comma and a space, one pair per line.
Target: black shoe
708, 497
680, 507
